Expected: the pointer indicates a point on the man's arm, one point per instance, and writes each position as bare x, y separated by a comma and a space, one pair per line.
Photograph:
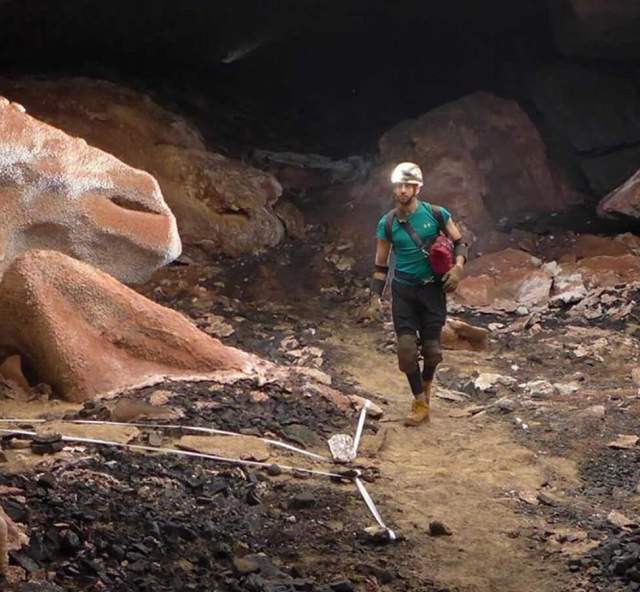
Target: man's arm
383, 249
451, 279
460, 249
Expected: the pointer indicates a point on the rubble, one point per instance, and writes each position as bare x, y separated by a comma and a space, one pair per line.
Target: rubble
488, 381
624, 441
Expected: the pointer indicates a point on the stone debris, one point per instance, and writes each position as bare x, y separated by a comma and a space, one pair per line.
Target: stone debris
488, 381
437, 528
538, 389
618, 519
624, 442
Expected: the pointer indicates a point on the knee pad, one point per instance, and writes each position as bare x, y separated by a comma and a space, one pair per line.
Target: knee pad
407, 353
431, 352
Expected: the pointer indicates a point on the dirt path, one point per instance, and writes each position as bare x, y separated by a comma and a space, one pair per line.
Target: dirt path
461, 471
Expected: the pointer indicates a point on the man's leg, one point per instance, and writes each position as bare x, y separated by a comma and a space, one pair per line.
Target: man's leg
432, 318
431, 356
406, 322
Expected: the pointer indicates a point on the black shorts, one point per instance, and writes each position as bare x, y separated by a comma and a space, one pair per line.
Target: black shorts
418, 309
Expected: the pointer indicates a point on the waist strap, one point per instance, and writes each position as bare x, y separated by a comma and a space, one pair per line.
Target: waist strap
413, 279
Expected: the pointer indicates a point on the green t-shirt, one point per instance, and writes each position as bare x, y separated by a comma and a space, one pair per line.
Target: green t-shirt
409, 258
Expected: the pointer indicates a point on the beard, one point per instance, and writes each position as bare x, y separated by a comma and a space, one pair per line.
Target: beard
404, 199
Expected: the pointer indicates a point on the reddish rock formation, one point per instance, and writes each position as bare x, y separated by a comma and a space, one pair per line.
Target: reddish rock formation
504, 279
608, 271
482, 158
59, 193
221, 204
86, 334
625, 200
510, 278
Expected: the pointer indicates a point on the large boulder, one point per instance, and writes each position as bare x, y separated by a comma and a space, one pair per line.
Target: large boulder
623, 201
505, 279
59, 193
220, 204
86, 334
482, 158
597, 28
592, 116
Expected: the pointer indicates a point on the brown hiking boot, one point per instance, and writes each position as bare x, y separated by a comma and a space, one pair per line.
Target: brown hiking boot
418, 414
426, 385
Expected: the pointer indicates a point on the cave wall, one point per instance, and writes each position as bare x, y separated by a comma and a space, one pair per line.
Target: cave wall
332, 77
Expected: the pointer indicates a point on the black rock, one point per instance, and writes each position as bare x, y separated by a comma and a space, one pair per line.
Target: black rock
15, 510
117, 552
302, 501
24, 561
39, 587
221, 550
274, 470
437, 528
38, 548
622, 564
70, 541
633, 574
47, 480
342, 586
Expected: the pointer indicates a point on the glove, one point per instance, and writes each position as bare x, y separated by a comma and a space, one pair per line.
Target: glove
451, 279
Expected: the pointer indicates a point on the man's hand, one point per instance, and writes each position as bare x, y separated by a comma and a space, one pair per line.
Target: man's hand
451, 279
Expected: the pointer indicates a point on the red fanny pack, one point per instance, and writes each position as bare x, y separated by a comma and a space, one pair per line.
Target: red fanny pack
439, 252
441, 255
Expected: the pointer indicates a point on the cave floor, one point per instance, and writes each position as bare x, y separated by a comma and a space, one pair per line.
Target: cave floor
532, 490
525, 479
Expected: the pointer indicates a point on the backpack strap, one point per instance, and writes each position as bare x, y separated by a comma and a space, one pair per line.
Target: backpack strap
410, 230
388, 224
437, 214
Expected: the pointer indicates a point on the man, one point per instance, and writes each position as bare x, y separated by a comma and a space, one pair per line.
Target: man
419, 306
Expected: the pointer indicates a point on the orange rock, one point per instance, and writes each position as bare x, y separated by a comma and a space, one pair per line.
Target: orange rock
590, 245
59, 193
87, 335
221, 204
500, 263
508, 276
461, 335
476, 290
609, 271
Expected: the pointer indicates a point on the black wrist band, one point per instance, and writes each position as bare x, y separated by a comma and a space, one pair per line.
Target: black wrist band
382, 268
460, 249
377, 286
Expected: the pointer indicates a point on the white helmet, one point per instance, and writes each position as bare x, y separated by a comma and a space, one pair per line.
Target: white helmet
407, 172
